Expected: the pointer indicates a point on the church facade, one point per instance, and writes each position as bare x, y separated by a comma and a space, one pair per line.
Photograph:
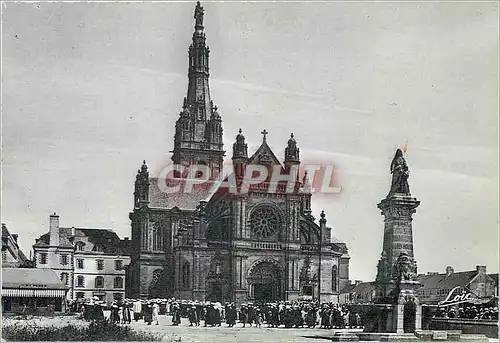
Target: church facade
238, 241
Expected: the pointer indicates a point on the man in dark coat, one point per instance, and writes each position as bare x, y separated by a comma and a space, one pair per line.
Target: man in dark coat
192, 316
148, 314
231, 315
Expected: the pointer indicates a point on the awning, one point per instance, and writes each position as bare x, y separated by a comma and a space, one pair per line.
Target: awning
36, 293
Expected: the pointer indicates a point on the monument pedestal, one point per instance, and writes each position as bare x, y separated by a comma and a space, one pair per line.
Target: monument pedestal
407, 316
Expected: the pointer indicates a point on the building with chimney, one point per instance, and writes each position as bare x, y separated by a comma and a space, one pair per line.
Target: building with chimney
229, 243
90, 262
12, 255
436, 286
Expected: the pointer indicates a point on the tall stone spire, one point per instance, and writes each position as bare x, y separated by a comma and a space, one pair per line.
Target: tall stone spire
198, 95
198, 131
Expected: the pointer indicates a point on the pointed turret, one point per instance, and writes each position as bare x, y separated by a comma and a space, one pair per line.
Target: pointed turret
291, 153
240, 148
141, 193
240, 154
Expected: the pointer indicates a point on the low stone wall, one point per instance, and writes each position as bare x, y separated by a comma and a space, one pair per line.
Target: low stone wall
467, 326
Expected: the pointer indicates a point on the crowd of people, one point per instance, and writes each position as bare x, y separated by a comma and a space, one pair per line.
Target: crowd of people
469, 312
196, 313
276, 314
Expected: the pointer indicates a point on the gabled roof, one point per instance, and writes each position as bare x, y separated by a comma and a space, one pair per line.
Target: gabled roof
19, 277
264, 155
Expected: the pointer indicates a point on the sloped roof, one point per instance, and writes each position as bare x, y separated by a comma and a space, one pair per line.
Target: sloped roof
495, 278
105, 237
445, 281
348, 288
5, 231
180, 199
17, 277
6, 234
363, 288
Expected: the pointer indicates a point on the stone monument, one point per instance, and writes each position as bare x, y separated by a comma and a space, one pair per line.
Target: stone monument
397, 269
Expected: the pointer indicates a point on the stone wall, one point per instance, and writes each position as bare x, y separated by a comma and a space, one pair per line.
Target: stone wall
468, 326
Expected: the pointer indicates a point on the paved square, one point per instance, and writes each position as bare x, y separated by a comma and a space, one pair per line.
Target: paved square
186, 333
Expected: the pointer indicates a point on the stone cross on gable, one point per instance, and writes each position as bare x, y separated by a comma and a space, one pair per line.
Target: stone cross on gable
264, 134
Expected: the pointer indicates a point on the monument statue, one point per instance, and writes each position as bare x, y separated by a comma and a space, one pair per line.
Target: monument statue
404, 269
400, 173
199, 12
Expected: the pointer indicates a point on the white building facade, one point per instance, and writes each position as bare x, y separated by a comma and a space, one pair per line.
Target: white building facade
91, 262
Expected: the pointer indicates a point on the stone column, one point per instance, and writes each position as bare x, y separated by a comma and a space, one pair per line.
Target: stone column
398, 233
418, 316
399, 318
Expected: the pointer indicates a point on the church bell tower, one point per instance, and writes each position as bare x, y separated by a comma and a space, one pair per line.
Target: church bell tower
198, 130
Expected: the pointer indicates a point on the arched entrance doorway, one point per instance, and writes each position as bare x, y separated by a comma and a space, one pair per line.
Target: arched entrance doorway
409, 316
266, 282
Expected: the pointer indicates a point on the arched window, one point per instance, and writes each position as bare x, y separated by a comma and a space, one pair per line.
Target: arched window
185, 275
80, 281
64, 278
335, 280
99, 282
118, 282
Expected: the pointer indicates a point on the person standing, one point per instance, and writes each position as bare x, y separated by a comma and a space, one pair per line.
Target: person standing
137, 309
244, 314
176, 314
155, 313
148, 314
126, 314
231, 315
192, 316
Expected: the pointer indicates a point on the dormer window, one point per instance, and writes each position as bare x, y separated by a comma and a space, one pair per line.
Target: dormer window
99, 248
80, 246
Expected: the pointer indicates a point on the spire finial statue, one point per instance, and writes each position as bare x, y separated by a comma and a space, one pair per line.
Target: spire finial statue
198, 14
264, 134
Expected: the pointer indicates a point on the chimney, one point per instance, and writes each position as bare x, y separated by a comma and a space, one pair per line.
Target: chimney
54, 230
14, 236
481, 269
449, 270
432, 273
357, 282
125, 238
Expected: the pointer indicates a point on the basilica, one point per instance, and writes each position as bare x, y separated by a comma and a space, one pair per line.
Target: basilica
213, 243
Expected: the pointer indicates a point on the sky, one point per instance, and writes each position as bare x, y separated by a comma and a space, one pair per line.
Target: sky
92, 89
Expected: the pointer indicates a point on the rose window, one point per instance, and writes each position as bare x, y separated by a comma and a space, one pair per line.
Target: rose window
264, 222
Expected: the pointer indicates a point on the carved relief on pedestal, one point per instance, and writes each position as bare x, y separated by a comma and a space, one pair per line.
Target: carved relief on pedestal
405, 268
